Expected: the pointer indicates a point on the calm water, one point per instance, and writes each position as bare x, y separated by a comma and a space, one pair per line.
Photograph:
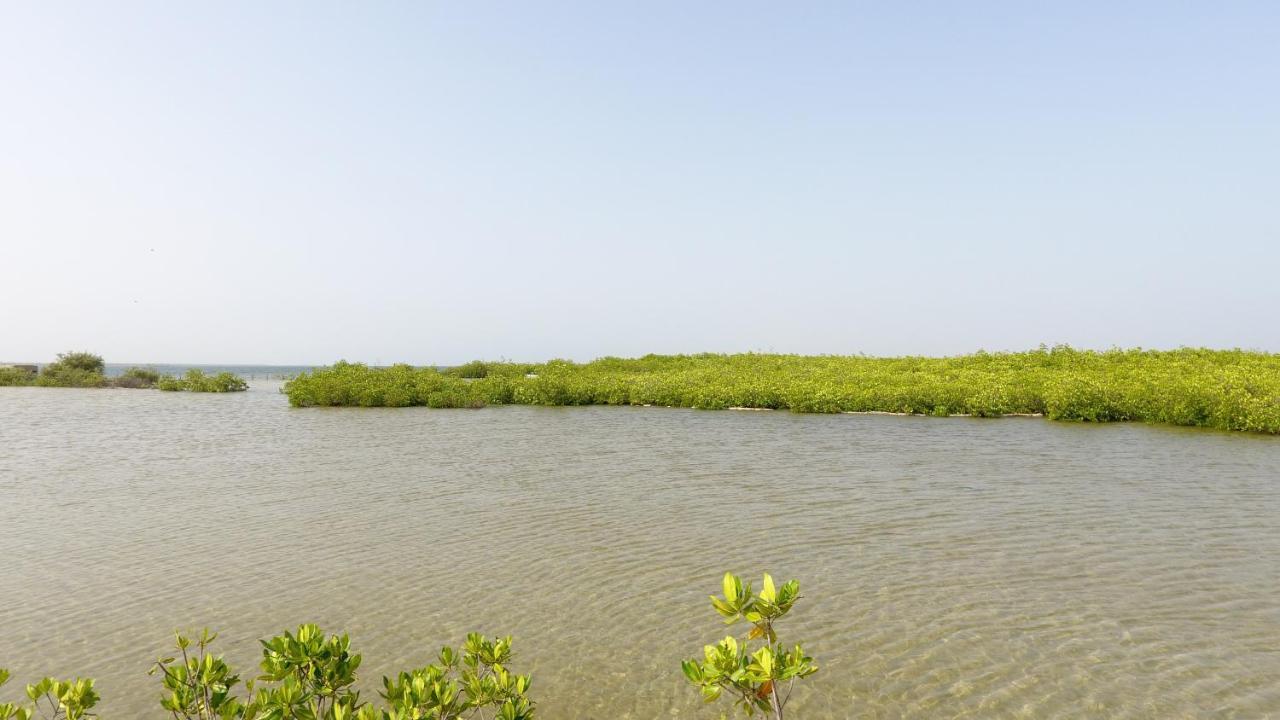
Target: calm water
248, 372
953, 568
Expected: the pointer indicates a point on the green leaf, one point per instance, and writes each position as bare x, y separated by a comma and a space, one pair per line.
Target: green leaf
732, 586
767, 593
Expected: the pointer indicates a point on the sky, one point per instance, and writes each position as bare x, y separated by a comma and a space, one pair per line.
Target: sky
436, 182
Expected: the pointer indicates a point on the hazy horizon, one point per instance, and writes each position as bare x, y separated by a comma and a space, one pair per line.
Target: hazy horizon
249, 184
383, 362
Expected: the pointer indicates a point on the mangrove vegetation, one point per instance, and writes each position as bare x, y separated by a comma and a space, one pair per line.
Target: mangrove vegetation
305, 675
308, 675
1224, 389
195, 380
87, 370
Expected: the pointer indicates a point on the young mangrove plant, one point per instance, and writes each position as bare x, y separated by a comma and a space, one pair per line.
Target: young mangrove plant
307, 675
200, 686
51, 699
474, 682
759, 681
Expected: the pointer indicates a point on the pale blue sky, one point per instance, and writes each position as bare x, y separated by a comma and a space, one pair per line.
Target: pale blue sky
302, 182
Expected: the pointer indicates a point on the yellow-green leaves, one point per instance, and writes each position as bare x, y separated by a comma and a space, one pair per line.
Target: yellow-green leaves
200, 685
751, 677
1228, 389
69, 699
308, 675
767, 593
732, 587
761, 667
442, 692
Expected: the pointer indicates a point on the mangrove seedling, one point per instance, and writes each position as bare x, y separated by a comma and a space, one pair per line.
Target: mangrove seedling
759, 681
199, 687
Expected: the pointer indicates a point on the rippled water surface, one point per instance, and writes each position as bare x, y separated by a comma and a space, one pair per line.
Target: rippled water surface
952, 568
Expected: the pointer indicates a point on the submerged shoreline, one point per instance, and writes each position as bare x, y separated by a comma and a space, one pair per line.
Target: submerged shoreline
1223, 389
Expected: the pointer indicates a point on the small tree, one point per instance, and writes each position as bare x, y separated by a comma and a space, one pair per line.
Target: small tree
73, 369
752, 678
84, 361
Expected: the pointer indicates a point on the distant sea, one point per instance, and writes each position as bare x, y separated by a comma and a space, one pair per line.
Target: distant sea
248, 372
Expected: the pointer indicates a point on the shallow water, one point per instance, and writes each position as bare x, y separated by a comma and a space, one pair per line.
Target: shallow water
952, 568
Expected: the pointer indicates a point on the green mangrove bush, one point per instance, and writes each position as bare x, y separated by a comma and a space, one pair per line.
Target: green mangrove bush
137, 377
195, 380
759, 681
12, 376
1225, 389
73, 369
86, 370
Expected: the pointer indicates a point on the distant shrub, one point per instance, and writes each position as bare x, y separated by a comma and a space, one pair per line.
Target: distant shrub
195, 380
86, 361
11, 376
136, 377
474, 370
358, 385
73, 369
1225, 389
61, 376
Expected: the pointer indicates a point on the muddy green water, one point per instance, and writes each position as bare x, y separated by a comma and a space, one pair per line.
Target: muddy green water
953, 568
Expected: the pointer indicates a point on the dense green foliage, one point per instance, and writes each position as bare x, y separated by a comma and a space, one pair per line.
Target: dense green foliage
137, 377
1226, 389
307, 675
10, 376
83, 361
473, 370
73, 369
195, 380
754, 680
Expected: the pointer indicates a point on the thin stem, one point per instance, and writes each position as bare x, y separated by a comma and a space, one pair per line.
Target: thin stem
205, 686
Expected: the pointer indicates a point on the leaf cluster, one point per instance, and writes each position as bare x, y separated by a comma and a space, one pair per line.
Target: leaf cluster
752, 678
472, 680
52, 699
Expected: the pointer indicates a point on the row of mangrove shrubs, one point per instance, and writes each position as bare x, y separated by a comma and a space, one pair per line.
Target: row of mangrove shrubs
308, 675
87, 370
1225, 389
71, 369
